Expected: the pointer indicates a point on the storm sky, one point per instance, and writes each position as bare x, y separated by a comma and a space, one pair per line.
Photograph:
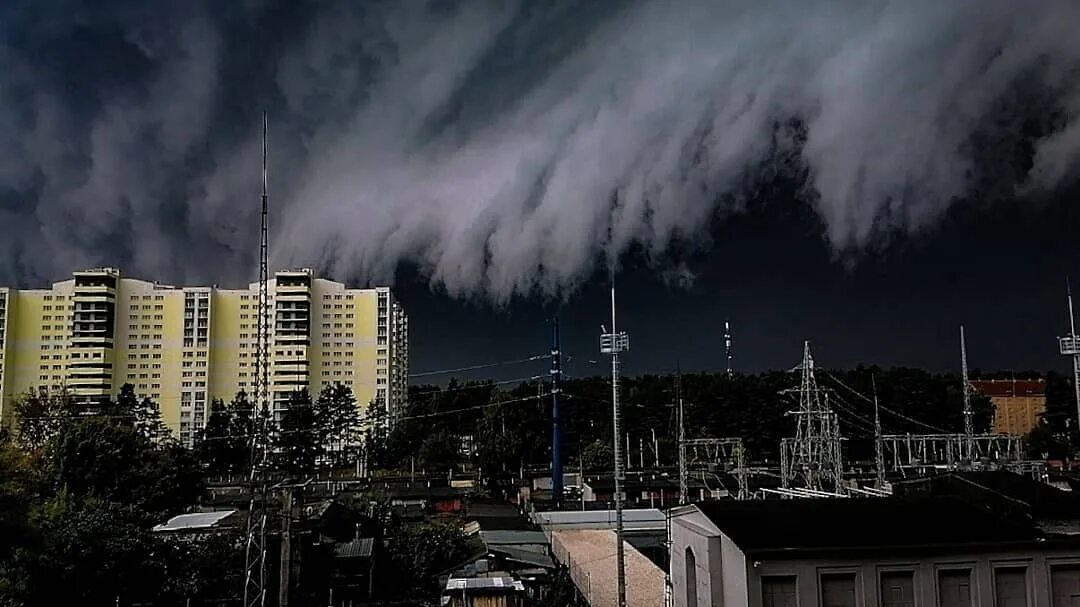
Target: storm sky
867, 174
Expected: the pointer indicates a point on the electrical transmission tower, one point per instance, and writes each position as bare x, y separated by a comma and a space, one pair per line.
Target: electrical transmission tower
1070, 346
255, 551
812, 459
614, 343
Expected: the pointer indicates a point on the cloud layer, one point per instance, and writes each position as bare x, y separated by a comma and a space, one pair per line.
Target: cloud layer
506, 147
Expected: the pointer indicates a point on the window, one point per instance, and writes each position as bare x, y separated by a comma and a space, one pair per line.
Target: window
778, 591
1010, 586
898, 589
691, 578
838, 590
954, 588
1065, 585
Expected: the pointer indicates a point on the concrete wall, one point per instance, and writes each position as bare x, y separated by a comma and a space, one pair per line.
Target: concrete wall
726, 577
720, 564
867, 575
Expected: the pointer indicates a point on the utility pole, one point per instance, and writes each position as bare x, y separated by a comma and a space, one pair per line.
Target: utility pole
255, 549
969, 426
285, 581
614, 343
1070, 346
879, 451
556, 436
655, 448
683, 491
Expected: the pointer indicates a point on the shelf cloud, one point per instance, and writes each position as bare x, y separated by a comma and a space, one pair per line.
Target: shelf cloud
508, 148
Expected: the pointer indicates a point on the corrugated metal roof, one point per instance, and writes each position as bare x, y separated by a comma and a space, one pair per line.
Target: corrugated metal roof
356, 548
484, 583
197, 520
528, 557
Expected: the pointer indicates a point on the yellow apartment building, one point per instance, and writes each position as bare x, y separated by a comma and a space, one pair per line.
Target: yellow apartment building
184, 346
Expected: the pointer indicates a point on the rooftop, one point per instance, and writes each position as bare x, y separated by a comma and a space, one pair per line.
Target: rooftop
645, 518
1010, 387
1003, 492
195, 521
845, 524
487, 584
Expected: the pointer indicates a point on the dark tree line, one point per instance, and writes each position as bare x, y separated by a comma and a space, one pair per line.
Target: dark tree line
311, 434
80, 489
507, 429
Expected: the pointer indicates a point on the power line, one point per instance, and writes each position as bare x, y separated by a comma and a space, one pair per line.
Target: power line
884, 408
480, 366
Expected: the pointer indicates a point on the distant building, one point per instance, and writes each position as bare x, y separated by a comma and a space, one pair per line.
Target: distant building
956, 540
1018, 403
183, 346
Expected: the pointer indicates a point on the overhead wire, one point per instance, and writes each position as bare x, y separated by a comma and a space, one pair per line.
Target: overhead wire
479, 366
887, 409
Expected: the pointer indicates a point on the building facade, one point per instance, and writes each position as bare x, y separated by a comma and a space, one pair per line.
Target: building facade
185, 346
986, 540
1018, 403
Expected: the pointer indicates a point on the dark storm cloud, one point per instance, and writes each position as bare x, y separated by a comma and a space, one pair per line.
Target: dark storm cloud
503, 147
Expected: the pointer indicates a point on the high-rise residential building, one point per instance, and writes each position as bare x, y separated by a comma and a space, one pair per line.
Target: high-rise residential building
184, 346
1018, 403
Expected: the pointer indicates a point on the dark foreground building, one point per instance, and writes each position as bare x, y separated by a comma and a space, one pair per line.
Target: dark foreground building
961, 540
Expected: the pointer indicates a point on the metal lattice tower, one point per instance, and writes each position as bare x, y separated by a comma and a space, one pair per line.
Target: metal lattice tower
813, 458
614, 343
683, 491
969, 423
1070, 346
879, 450
255, 550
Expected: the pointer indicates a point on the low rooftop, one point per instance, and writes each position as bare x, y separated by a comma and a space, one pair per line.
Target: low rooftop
194, 522
862, 524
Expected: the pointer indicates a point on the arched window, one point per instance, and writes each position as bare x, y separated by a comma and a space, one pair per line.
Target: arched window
691, 578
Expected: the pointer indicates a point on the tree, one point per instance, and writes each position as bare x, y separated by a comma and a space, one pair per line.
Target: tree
418, 552
440, 450
96, 456
39, 416
92, 551
598, 455
338, 422
297, 444
224, 445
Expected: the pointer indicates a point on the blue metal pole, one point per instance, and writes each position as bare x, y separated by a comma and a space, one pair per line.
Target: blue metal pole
556, 437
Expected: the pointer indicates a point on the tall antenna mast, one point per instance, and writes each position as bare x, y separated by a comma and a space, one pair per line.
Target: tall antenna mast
255, 551
683, 490
613, 343
1070, 346
727, 345
879, 451
969, 426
